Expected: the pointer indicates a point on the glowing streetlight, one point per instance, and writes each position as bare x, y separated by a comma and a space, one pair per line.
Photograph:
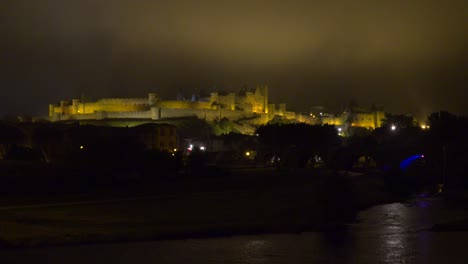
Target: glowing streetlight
393, 128
247, 153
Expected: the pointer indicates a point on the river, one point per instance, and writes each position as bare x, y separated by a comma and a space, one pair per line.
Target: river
391, 233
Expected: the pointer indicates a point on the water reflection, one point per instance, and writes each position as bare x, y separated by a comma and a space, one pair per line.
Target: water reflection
394, 243
393, 233
255, 251
392, 230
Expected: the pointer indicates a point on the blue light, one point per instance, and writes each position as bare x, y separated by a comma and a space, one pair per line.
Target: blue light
407, 162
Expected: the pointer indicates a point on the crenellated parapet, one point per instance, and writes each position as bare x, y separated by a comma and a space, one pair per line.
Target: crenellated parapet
251, 106
173, 104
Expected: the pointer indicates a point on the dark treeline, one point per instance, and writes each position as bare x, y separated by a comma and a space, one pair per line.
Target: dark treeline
316, 175
443, 146
52, 156
296, 144
102, 152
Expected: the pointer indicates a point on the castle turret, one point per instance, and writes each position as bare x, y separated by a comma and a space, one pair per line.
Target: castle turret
282, 109
379, 116
51, 110
265, 98
152, 99
155, 113
76, 104
214, 97
271, 109
232, 101
64, 106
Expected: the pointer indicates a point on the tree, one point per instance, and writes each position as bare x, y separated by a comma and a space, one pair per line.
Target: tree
400, 121
445, 126
9, 137
226, 125
298, 142
448, 145
47, 138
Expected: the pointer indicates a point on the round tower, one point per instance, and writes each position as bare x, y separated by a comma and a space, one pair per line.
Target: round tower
152, 99
51, 109
265, 99
64, 106
76, 105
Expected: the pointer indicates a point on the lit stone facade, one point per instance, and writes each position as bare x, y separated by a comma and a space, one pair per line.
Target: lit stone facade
370, 120
249, 108
250, 102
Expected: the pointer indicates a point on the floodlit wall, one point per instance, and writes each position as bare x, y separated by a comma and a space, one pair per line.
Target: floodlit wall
379, 116
253, 101
224, 101
307, 119
289, 115
183, 105
368, 120
252, 108
243, 104
171, 113
371, 120
363, 120
106, 105
128, 115
205, 114
332, 120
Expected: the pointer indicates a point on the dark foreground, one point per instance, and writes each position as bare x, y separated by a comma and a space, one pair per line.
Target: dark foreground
391, 233
249, 201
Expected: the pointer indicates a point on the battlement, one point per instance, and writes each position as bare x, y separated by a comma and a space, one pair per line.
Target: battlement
123, 101
245, 104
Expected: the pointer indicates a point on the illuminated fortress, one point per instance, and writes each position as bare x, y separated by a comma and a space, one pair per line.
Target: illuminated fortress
248, 108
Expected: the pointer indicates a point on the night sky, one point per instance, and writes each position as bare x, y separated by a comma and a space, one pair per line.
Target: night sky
408, 56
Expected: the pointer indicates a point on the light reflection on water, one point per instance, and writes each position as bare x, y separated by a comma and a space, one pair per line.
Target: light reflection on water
393, 233
255, 251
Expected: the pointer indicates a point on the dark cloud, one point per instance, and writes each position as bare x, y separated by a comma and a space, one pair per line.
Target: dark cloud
409, 56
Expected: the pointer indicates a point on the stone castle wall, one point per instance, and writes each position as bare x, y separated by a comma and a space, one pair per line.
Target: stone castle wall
106, 105
307, 119
157, 113
205, 114
223, 101
370, 120
251, 109
101, 116
183, 105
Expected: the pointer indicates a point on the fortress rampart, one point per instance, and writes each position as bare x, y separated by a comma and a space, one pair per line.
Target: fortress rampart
183, 105
250, 107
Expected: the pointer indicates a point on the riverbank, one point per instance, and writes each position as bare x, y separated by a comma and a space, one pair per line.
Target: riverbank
457, 199
250, 201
